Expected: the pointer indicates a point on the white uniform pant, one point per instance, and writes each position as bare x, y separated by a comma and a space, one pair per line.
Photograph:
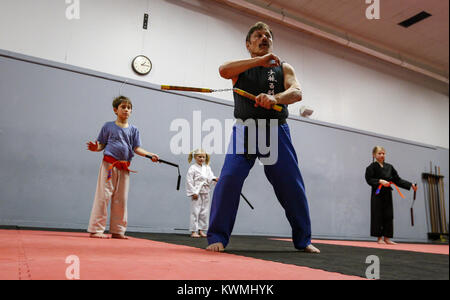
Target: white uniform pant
116, 190
199, 213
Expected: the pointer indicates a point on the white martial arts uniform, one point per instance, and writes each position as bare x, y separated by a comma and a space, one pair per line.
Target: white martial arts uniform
199, 180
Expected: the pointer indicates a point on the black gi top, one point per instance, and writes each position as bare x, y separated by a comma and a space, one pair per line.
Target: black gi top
374, 172
256, 81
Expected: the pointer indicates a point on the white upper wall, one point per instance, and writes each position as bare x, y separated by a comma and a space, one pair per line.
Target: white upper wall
188, 40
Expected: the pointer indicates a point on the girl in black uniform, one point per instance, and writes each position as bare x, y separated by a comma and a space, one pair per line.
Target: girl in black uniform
380, 175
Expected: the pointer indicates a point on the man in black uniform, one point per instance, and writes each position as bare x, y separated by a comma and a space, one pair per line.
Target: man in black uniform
274, 82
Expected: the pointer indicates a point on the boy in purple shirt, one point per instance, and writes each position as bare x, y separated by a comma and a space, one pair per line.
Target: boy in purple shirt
120, 141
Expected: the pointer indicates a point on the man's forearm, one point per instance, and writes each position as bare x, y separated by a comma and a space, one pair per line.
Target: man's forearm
291, 95
234, 68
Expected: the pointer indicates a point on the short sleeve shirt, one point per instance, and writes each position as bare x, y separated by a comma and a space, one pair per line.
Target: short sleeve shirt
119, 142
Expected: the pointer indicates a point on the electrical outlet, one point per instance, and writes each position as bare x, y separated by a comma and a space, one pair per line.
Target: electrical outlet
145, 21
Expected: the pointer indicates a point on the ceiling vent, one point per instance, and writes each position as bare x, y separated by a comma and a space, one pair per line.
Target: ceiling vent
415, 19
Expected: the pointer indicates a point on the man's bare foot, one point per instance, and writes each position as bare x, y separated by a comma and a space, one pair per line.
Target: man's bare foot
389, 242
311, 249
195, 235
119, 236
201, 233
216, 247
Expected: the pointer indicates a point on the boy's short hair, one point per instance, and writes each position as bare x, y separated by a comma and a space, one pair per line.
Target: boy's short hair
258, 26
119, 100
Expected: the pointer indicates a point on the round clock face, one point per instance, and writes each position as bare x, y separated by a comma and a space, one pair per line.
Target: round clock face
141, 65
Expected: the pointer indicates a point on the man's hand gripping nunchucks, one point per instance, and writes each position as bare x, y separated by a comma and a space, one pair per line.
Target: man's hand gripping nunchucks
157, 159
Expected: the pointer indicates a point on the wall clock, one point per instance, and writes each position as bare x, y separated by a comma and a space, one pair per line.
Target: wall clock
141, 65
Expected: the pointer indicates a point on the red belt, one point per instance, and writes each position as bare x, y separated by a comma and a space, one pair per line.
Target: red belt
390, 183
119, 164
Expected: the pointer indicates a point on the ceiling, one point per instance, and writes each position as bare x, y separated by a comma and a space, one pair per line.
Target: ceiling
424, 44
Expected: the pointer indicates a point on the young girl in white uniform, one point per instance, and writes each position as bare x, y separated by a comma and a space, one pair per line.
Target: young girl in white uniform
199, 180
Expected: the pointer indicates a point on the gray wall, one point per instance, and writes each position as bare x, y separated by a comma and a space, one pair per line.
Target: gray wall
341, 85
47, 177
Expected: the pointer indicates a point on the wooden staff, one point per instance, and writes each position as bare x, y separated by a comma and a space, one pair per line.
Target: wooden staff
441, 188
427, 198
431, 199
438, 200
436, 204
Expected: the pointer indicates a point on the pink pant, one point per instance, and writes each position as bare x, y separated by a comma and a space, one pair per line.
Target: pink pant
116, 190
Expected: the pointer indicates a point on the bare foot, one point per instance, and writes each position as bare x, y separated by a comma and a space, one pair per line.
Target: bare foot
389, 242
202, 234
98, 235
195, 235
311, 249
216, 247
119, 236
380, 241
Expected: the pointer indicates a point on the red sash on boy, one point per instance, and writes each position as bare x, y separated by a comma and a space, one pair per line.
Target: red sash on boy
119, 164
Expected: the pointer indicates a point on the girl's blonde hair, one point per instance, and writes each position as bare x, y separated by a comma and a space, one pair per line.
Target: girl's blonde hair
196, 152
375, 150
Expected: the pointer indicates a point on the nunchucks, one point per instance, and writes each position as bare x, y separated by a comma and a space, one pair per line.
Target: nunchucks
249, 204
205, 90
412, 210
170, 164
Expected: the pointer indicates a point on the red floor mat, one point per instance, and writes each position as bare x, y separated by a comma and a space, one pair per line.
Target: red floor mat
423, 248
42, 255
